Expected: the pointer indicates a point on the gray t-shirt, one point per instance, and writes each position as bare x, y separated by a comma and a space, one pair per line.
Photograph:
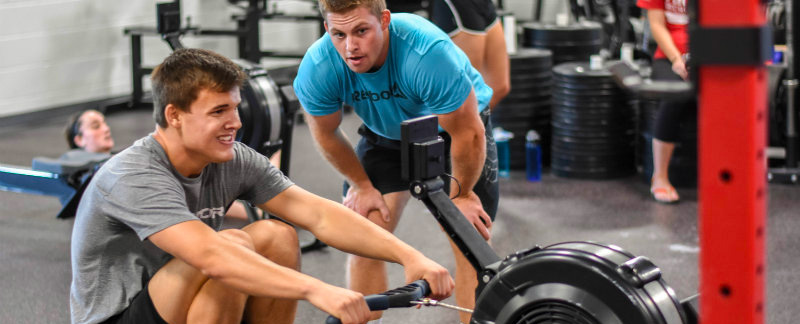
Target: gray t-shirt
138, 193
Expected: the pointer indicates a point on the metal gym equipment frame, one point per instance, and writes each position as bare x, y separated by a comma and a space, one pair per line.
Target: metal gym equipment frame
790, 173
729, 43
247, 34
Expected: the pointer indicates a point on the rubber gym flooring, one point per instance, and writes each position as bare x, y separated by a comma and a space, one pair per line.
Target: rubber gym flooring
34, 245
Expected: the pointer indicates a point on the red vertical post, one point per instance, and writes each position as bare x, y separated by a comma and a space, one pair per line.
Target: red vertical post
732, 167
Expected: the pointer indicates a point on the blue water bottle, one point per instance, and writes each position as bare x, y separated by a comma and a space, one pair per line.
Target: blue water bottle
501, 138
533, 157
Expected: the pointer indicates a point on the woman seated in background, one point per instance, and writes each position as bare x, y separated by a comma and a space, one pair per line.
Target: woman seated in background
88, 131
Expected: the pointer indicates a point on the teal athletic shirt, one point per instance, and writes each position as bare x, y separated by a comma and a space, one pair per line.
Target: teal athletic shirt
424, 73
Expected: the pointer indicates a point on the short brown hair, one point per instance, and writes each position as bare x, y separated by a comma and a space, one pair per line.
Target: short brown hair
339, 6
184, 73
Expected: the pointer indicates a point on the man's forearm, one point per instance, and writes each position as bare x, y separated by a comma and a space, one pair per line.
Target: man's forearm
338, 225
467, 158
258, 276
233, 264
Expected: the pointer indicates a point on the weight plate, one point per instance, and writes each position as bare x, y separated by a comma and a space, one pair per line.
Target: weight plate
579, 70
572, 49
586, 84
571, 58
524, 102
611, 152
601, 94
611, 113
571, 111
527, 94
531, 54
576, 104
590, 146
547, 32
616, 150
582, 133
576, 101
581, 102
530, 67
534, 77
611, 122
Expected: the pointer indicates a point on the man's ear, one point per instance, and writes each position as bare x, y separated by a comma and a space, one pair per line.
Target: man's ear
78, 140
325, 23
386, 18
172, 115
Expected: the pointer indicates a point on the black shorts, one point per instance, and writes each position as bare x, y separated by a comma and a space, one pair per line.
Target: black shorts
471, 16
380, 157
140, 311
671, 113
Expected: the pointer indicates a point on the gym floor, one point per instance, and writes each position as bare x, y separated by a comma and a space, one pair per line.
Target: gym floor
34, 245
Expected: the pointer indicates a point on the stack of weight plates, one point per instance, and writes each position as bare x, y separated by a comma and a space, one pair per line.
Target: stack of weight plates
527, 106
593, 124
683, 165
575, 42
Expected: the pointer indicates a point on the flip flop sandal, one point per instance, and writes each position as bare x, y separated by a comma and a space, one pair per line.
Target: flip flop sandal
663, 194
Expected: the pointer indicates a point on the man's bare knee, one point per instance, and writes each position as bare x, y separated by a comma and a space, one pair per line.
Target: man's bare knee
239, 237
276, 241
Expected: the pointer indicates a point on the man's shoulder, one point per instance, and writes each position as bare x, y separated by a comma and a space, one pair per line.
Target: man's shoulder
410, 20
135, 161
417, 37
321, 61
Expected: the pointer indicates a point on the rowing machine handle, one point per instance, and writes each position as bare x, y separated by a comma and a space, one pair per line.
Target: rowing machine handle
395, 298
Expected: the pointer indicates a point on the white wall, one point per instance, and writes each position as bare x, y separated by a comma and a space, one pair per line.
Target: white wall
60, 52
524, 9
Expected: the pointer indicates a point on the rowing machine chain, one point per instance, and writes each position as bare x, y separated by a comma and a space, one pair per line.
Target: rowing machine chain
433, 302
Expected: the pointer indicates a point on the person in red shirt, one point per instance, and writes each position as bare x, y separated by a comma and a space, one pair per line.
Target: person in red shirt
668, 24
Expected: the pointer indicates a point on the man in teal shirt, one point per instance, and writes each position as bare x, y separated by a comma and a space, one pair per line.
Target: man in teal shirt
389, 68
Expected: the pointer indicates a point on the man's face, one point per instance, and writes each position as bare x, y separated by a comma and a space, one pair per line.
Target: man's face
208, 129
94, 135
359, 38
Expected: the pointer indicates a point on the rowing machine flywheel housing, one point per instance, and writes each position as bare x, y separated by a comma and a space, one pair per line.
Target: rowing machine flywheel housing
261, 110
576, 283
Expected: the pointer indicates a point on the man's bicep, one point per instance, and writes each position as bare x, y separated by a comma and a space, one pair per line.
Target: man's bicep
324, 124
462, 119
441, 79
317, 92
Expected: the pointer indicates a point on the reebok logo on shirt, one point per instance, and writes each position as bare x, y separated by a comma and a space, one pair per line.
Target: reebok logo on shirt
394, 92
